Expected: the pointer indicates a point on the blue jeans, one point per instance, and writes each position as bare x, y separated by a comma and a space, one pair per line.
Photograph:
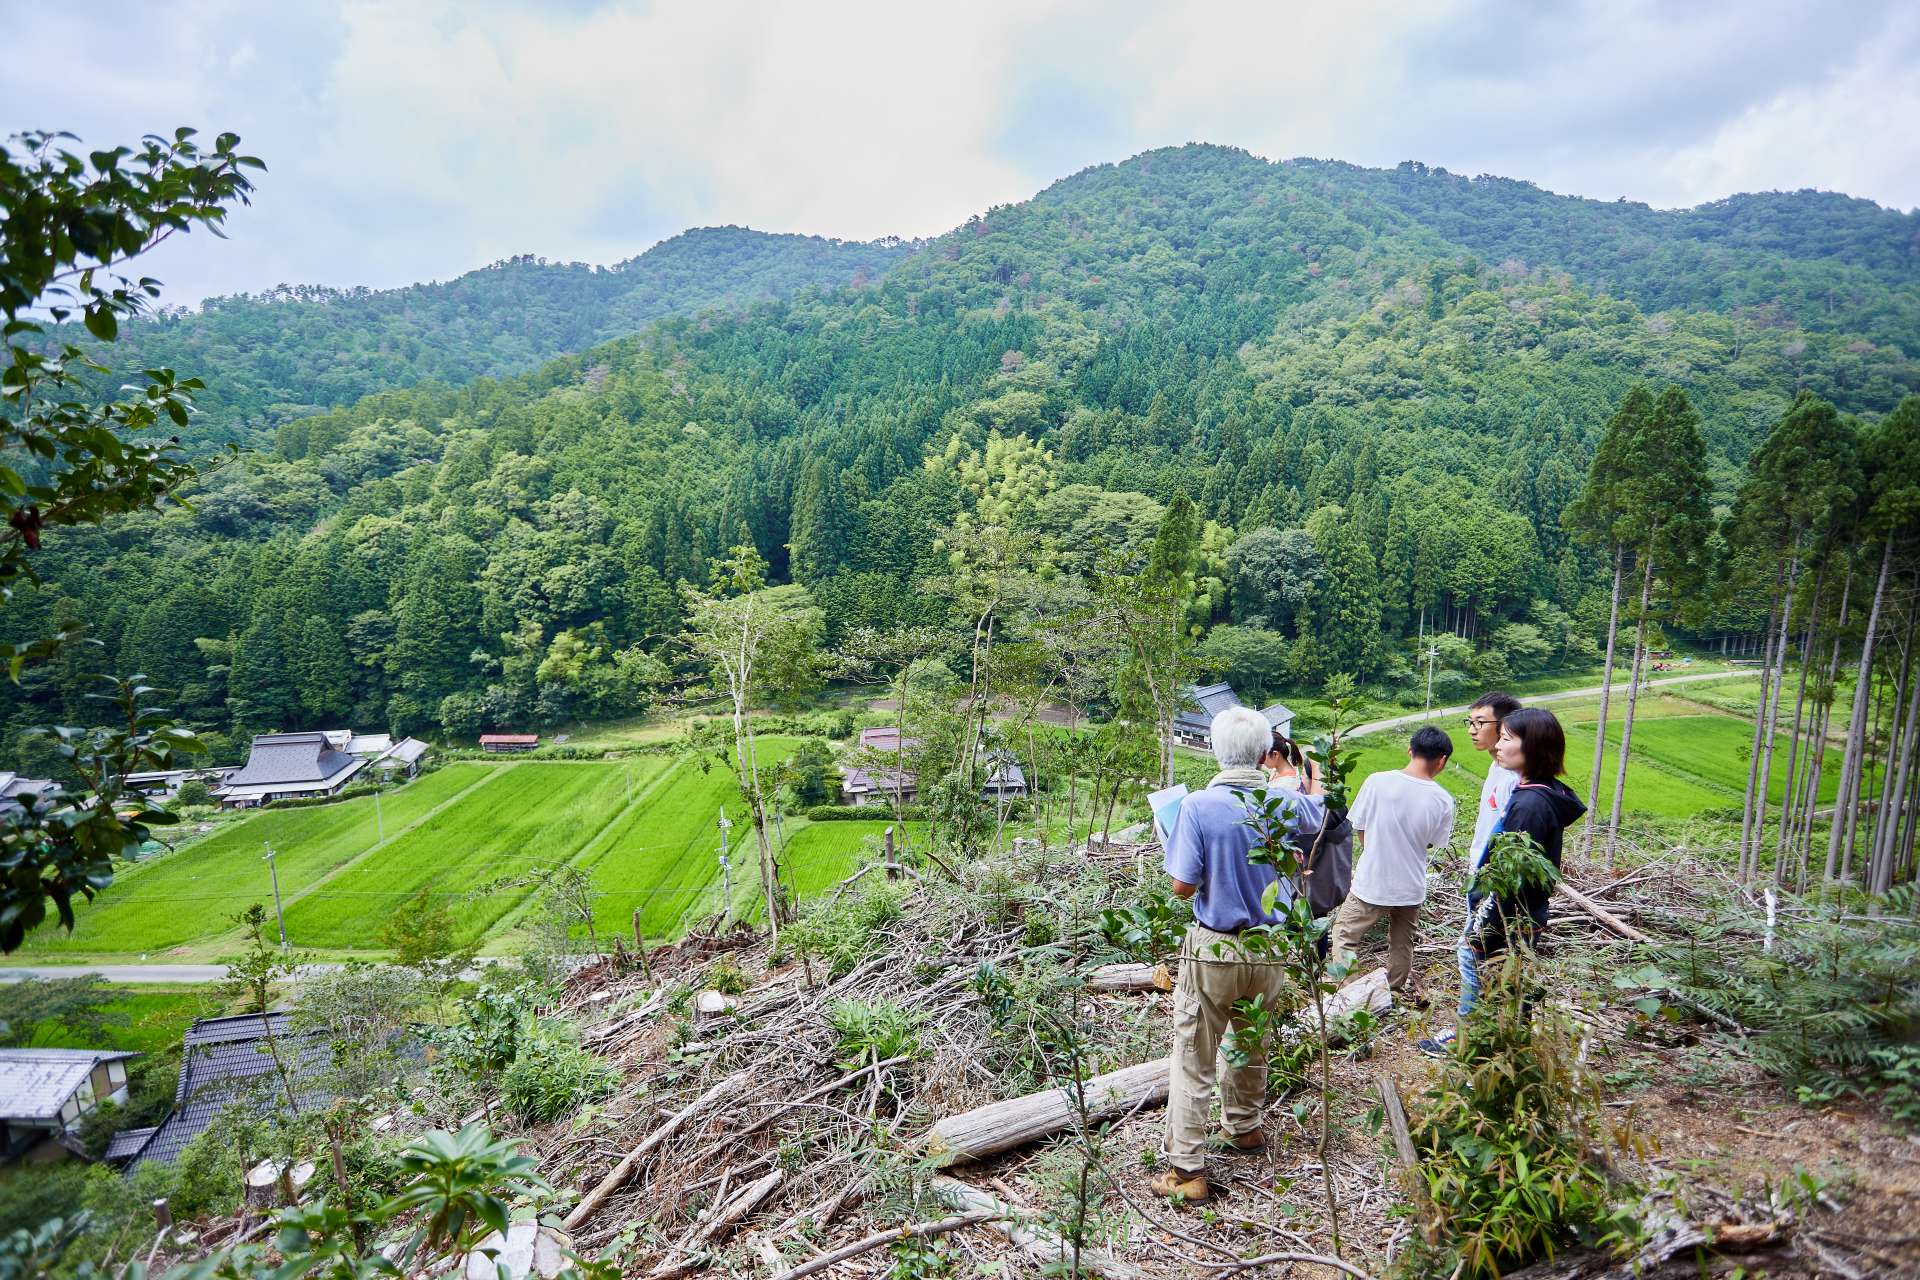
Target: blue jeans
1469, 976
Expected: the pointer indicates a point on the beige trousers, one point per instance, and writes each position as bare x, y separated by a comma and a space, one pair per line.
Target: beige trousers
1203, 1010
1356, 917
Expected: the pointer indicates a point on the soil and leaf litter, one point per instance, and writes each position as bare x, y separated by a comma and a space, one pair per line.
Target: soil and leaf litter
797, 1118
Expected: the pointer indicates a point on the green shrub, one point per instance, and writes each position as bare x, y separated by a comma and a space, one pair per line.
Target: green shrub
552, 1076
864, 813
1505, 1131
30, 1194
873, 1031
845, 931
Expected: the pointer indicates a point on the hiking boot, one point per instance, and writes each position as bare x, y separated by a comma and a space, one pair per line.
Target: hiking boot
1187, 1188
1439, 1046
1254, 1140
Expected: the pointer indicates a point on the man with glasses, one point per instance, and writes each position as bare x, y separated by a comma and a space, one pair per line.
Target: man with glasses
1483, 726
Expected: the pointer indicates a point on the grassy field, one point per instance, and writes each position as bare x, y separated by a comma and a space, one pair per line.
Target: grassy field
473, 834
525, 817
196, 891
154, 1019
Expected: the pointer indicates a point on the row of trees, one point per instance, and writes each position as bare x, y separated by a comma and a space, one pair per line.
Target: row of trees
1819, 548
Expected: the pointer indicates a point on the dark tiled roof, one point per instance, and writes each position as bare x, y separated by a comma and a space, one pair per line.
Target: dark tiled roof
127, 1143
279, 758
1204, 702
220, 1061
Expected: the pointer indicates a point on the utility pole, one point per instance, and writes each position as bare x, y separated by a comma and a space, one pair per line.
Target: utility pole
379, 822
1433, 651
726, 868
277, 913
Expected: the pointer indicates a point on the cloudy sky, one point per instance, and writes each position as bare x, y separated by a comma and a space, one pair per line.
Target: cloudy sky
416, 139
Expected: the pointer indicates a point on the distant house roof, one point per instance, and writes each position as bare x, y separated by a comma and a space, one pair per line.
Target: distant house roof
1007, 777
293, 762
509, 739
857, 781
369, 744
13, 786
168, 775
36, 1083
1206, 701
219, 1058
406, 751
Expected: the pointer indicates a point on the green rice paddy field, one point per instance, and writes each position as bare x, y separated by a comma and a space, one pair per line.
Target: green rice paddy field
473, 834
1685, 761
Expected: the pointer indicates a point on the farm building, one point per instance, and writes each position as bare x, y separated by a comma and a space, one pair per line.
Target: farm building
223, 1061
1193, 724
13, 786
867, 784
46, 1093
283, 765
509, 741
317, 763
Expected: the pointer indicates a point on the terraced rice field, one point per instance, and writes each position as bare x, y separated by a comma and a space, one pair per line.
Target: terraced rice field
662, 856
196, 892
525, 817
822, 854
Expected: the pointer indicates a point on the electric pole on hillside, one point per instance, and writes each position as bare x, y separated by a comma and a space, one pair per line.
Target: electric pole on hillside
1433, 651
277, 913
726, 869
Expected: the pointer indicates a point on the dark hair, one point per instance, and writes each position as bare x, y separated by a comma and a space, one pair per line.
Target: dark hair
1501, 704
1431, 744
1543, 744
1289, 750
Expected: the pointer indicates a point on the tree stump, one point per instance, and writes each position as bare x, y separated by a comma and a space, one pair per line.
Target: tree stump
273, 1183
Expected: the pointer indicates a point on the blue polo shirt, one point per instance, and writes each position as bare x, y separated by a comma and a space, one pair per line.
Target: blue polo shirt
1209, 848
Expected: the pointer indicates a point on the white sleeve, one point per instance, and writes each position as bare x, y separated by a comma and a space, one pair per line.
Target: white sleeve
1443, 829
1363, 804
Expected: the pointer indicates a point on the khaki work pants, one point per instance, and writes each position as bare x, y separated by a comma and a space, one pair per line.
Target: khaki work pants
1356, 917
1203, 1010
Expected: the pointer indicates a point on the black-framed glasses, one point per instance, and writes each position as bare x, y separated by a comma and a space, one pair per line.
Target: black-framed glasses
1471, 723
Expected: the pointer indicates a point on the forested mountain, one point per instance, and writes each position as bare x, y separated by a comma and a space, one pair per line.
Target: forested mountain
286, 353
1380, 389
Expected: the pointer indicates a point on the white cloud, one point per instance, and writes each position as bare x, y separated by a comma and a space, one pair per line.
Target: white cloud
415, 139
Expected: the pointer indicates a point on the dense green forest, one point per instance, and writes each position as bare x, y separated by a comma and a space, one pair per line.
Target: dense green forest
293, 350
1380, 391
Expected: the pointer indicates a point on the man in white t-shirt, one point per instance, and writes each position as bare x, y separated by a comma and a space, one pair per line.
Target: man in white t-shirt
1397, 817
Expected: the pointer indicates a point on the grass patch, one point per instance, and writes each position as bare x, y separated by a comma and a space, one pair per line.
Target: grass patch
526, 816
195, 891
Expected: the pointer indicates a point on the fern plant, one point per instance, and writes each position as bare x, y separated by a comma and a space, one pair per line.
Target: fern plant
1832, 1007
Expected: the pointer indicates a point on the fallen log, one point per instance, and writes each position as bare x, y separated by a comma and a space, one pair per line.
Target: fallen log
1041, 1245
1001, 1126
624, 1170
1612, 923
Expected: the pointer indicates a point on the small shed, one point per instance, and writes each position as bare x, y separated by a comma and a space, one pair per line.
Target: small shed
509, 741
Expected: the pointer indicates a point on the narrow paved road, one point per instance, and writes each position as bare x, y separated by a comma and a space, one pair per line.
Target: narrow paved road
121, 972
1564, 695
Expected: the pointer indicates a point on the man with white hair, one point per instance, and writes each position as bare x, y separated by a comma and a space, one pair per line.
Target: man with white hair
1207, 857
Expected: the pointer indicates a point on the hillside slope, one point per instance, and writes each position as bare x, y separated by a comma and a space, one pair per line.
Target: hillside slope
1290, 352
294, 350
